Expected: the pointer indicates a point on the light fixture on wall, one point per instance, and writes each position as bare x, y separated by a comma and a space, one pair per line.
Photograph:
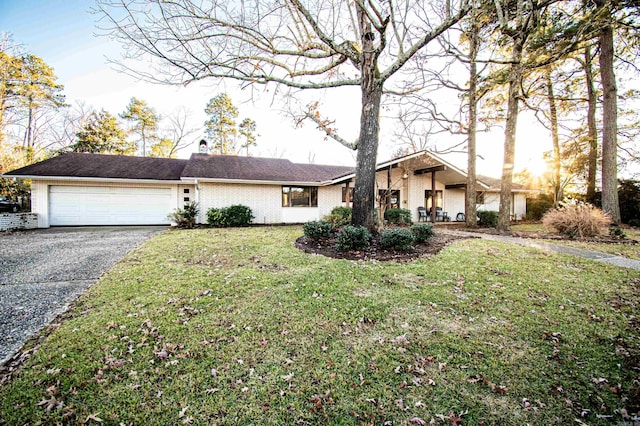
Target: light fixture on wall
405, 175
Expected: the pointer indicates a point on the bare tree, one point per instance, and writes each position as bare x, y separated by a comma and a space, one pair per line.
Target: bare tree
178, 131
306, 45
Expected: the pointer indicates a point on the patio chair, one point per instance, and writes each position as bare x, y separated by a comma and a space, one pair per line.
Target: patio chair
422, 215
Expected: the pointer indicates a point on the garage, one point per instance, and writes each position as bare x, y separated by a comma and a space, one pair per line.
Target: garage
96, 205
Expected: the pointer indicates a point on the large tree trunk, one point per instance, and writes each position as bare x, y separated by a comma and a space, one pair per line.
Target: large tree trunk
592, 134
513, 103
555, 139
371, 88
610, 202
470, 202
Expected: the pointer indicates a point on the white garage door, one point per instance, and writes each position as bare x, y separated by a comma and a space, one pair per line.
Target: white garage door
93, 205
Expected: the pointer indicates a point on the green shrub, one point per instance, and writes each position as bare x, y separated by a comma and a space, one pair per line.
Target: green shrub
339, 217
317, 229
342, 211
353, 238
398, 216
217, 217
488, 218
236, 215
537, 207
185, 218
577, 219
400, 239
239, 215
422, 232
617, 232
635, 223
629, 196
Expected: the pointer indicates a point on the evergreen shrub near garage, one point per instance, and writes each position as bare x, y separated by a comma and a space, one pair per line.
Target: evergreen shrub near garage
317, 229
185, 218
400, 239
232, 216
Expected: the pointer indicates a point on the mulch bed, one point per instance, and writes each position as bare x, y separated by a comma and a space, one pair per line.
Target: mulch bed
327, 247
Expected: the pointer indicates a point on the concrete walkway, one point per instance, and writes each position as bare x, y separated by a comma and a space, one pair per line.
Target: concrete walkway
557, 248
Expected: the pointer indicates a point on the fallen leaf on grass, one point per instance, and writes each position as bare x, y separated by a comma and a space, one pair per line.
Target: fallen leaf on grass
418, 420
93, 418
182, 412
48, 404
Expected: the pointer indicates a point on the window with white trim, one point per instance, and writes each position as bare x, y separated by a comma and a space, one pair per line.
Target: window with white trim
299, 196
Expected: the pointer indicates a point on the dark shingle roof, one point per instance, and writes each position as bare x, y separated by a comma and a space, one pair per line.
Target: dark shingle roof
256, 168
105, 166
494, 183
202, 166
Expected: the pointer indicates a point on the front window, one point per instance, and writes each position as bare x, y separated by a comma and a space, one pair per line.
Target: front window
389, 198
299, 196
428, 201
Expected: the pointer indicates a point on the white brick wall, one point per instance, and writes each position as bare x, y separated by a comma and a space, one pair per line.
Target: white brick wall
13, 221
265, 201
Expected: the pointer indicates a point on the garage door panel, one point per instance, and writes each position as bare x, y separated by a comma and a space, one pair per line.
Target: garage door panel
80, 205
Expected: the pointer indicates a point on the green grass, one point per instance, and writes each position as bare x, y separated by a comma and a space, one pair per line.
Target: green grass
236, 326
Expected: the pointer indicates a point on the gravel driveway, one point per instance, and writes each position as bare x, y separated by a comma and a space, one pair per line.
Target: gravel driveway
42, 271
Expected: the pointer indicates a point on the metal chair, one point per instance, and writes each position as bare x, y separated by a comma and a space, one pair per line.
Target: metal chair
422, 214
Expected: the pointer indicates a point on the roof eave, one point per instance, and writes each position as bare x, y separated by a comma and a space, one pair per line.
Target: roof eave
254, 181
90, 179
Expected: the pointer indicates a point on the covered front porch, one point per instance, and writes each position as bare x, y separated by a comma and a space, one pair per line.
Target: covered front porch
429, 187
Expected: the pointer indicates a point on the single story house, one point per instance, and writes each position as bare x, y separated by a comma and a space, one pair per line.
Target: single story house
76, 189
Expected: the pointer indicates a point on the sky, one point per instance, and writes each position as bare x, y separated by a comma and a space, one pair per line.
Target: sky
64, 34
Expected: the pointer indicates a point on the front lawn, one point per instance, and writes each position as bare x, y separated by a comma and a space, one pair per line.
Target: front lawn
236, 326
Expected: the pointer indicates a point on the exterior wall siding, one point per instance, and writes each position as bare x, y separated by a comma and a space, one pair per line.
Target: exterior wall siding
265, 201
328, 198
518, 205
454, 202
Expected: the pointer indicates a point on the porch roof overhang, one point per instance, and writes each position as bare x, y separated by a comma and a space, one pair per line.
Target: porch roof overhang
423, 162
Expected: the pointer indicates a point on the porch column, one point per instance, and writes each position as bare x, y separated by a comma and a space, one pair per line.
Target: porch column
433, 197
347, 198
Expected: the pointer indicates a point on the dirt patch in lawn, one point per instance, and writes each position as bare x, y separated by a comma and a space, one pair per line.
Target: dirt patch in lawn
327, 247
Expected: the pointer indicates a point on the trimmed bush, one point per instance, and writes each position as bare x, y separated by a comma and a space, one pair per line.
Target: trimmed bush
185, 218
400, 239
216, 217
239, 215
236, 215
353, 238
577, 219
317, 229
422, 232
398, 216
488, 218
339, 217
